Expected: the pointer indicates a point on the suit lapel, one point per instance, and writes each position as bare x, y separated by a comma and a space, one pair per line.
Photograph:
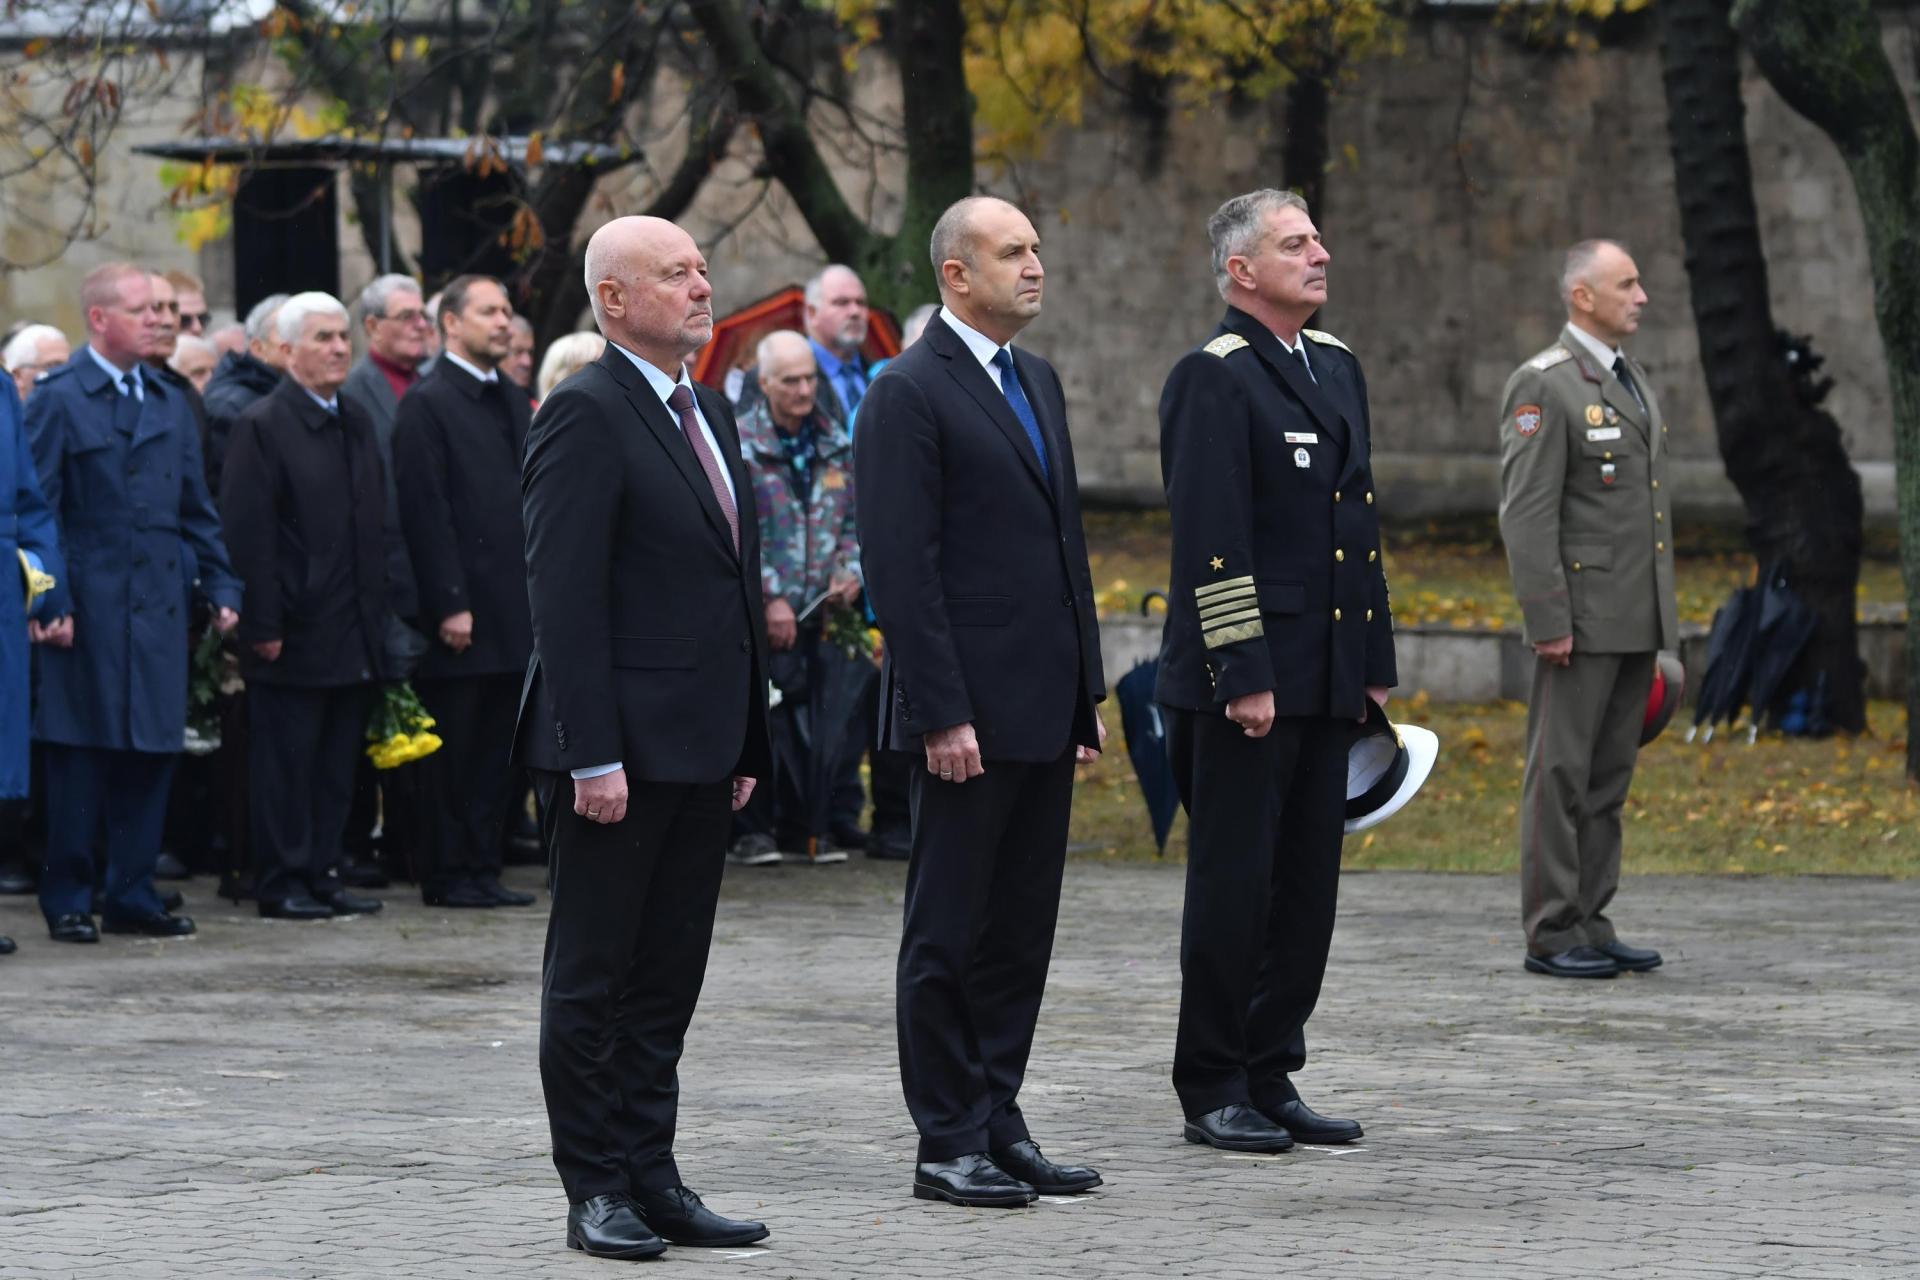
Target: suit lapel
1052, 431
666, 430
978, 383
1293, 373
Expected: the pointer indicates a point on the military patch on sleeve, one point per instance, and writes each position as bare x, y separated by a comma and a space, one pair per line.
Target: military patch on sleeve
1526, 419
1225, 345
1549, 358
1326, 339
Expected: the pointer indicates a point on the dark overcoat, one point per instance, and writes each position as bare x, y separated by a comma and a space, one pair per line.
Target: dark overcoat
26, 524
129, 495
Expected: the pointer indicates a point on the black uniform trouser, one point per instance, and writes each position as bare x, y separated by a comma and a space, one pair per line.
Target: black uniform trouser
470, 779
1265, 818
983, 892
124, 791
627, 942
303, 745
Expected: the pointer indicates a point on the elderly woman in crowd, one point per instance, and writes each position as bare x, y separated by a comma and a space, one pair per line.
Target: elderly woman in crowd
566, 357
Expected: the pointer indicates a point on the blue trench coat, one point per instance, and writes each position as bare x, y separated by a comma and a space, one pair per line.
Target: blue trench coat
26, 524
136, 525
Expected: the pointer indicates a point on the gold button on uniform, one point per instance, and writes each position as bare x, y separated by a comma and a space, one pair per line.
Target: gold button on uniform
1369, 615
1576, 566
1336, 615
1369, 499
1658, 516
1607, 456
1338, 554
1372, 556
1656, 484
1659, 546
1336, 495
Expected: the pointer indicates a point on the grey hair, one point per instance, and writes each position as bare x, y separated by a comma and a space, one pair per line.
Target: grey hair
24, 346
916, 324
566, 357
1236, 227
262, 315
765, 351
374, 298
1578, 261
291, 322
953, 234
190, 342
818, 285
520, 324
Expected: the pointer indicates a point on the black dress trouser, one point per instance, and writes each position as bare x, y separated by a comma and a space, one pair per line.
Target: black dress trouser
1263, 872
303, 744
627, 941
469, 781
983, 892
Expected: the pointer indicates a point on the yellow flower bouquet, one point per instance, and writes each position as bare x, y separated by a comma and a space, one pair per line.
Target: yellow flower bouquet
397, 729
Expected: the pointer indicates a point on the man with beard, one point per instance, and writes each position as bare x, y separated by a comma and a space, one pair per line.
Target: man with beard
645, 720
1278, 639
969, 524
457, 440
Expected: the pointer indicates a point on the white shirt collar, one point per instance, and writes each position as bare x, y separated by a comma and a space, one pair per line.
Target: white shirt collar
115, 375
491, 375
662, 385
1594, 345
984, 348
331, 406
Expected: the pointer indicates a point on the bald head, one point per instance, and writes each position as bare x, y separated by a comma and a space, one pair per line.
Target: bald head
788, 376
986, 256
648, 283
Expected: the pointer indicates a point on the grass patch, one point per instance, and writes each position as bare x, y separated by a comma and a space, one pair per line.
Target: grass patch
1783, 806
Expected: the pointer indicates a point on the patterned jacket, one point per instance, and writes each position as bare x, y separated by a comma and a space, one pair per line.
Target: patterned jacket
804, 538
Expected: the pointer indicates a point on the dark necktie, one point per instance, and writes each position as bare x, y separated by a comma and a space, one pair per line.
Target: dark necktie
1017, 397
1301, 351
852, 387
681, 402
1625, 375
127, 384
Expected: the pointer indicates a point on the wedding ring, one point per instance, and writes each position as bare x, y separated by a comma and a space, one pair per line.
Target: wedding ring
946, 773
593, 813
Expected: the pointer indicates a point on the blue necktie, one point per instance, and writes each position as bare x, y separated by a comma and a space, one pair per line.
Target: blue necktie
1010, 383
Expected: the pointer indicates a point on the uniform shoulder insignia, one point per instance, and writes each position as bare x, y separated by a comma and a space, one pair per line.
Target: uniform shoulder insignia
1225, 345
1549, 358
1326, 339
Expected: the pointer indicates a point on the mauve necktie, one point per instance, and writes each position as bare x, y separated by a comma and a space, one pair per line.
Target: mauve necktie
681, 402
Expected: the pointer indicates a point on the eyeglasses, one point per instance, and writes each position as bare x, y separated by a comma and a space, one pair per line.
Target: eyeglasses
412, 315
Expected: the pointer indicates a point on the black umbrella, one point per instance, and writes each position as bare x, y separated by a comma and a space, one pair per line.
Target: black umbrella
1146, 730
1723, 688
1786, 624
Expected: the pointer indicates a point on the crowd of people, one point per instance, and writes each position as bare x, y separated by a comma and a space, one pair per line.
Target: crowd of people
235, 539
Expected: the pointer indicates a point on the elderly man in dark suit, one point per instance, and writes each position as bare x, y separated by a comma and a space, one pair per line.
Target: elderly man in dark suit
118, 458
304, 496
456, 454
977, 570
645, 720
238, 380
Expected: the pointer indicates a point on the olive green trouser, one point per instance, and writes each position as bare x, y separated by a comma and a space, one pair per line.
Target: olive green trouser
1583, 734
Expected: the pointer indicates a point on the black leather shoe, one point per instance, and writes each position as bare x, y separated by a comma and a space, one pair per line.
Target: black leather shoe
363, 873
14, 883
847, 837
677, 1215
345, 902
73, 927
1630, 959
463, 894
1238, 1128
172, 900
890, 846
501, 895
972, 1180
169, 867
1576, 962
609, 1227
1023, 1160
6, 945
1309, 1126
295, 907
157, 925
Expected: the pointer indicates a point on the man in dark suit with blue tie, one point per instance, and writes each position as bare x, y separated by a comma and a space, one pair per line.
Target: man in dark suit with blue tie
977, 570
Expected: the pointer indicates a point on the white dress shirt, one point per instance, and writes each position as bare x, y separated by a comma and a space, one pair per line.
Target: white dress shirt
1596, 347
663, 387
491, 375
139, 378
984, 348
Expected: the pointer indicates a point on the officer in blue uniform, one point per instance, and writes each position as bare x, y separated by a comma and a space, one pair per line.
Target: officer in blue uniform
118, 457
28, 540
1278, 638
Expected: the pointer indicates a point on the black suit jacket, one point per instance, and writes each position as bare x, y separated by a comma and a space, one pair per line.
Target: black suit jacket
1277, 578
303, 505
975, 562
648, 644
457, 443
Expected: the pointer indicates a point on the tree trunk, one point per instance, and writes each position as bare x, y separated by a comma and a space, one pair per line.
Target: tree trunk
1826, 59
1784, 455
1306, 150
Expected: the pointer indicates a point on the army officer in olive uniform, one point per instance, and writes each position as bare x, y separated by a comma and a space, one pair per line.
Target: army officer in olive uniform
1278, 640
1588, 529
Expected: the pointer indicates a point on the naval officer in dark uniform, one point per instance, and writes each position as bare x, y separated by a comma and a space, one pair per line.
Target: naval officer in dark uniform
1278, 639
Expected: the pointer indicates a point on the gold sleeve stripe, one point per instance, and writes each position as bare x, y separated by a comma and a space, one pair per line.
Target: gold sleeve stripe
1215, 588
1233, 635
1220, 608
1220, 620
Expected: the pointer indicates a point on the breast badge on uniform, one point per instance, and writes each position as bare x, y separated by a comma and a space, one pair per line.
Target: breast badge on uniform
1595, 415
1526, 419
1301, 458
1606, 473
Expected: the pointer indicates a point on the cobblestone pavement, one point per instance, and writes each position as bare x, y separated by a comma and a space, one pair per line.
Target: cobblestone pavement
360, 1098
